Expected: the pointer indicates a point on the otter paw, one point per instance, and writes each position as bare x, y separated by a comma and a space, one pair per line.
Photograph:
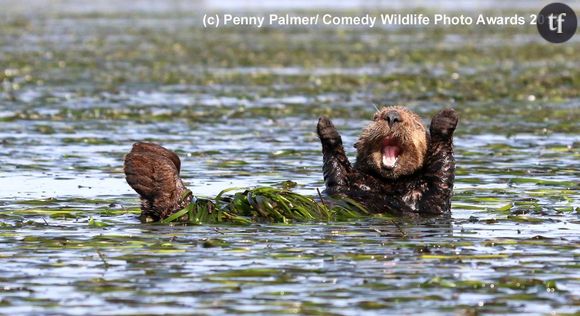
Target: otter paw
327, 132
444, 123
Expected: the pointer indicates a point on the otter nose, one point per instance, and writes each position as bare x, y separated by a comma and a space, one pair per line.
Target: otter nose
392, 117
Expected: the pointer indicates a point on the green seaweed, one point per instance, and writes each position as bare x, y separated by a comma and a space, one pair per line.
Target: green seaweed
79, 85
266, 204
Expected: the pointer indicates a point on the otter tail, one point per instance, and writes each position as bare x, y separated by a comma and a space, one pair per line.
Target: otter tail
153, 172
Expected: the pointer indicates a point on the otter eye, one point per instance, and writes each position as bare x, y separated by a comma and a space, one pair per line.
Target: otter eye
376, 117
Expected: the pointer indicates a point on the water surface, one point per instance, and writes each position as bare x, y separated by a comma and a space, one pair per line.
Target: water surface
240, 107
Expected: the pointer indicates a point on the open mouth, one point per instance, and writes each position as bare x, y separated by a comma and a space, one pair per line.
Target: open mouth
391, 152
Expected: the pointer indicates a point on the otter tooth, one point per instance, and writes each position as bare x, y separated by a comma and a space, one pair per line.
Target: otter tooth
390, 162
390, 156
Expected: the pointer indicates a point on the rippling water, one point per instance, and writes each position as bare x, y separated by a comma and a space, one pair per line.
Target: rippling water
240, 108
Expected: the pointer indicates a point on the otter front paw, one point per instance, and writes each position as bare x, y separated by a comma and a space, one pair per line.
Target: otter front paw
327, 132
444, 123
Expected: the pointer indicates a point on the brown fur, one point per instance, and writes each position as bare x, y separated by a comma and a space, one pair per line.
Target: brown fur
408, 133
418, 182
421, 181
153, 172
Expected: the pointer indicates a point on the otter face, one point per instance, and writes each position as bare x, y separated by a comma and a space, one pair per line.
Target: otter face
394, 144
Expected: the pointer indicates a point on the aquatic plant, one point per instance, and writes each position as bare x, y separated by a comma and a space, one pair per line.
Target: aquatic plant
265, 204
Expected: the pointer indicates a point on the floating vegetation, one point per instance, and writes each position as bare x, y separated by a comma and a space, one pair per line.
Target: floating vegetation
266, 204
80, 83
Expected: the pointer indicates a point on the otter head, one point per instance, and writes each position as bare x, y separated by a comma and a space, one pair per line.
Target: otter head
394, 144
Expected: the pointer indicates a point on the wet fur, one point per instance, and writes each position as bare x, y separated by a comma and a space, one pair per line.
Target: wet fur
153, 172
422, 181
412, 138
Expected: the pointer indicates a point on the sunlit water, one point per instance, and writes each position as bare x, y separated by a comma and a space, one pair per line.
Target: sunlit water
512, 245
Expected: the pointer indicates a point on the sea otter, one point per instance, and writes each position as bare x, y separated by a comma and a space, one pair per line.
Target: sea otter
400, 167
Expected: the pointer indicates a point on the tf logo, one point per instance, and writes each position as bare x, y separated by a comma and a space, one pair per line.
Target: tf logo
557, 22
